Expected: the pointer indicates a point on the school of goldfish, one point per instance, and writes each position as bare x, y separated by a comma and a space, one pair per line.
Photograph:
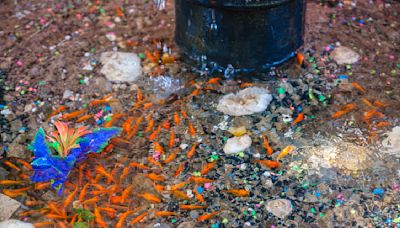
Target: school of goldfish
107, 192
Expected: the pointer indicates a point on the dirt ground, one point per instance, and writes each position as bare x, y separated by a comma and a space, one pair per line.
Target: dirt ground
47, 48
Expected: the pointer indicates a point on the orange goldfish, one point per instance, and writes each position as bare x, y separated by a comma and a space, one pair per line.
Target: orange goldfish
380, 104
110, 211
42, 186
180, 195
83, 118
179, 169
165, 124
171, 138
24, 163
139, 166
269, 163
11, 182
58, 110
122, 218
207, 167
158, 187
170, 158
114, 118
149, 126
126, 126
246, 84
30, 203
285, 152
178, 186
155, 177
200, 180
207, 216
16, 192
298, 119
177, 119
124, 174
139, 218
238, 192
126, 193
299, 58
73, 115
152, 160
367, 102
155, 133
213, 81
191, 207
165, 213
11, 165
383, 124
147, 105
150, 197
359, 87
83, 192
158, 148
192, 130
198, 196
267, 146
99, 219
192, 150
139, 94
92, 200
100, 170
70, 197
43, 224
184, 114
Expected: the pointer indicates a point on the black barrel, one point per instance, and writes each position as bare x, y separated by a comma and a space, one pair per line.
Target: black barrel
248, 34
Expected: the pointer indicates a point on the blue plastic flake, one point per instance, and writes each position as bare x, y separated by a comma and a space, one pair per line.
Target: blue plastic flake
342, 77
107, 108
99, 121
317, 194
378, 191
200, 190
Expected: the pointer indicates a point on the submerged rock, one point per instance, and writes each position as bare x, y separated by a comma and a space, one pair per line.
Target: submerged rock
279, 207
344, 55
13, 223
245, 102
392, 142
237, 144
7, 207
121, 66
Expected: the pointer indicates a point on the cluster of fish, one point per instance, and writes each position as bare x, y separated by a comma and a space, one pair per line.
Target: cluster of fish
372, 114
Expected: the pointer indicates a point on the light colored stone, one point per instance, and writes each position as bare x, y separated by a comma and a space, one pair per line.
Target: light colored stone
18, 151
237, 144
13, 223
121, 66
245, 102
344, 55
67, 94
7, 207
392, 142
279, 207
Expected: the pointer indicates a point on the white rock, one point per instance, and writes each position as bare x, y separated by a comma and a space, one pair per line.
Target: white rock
236, 144
279, 207
392, 142
245, 102
13, 223
7, 207
344, 55
67, 93
121, 66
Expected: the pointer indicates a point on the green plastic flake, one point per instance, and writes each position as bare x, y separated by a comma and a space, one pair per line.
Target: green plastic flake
253, 213
139, 134
93, 50
321, 215
141, 55
281, 90
173, 220
214, 157
311, 117
196, 173
84, 105
321, 97
225, 139
296, 168
373, 71
314, 66
102, 11
311, 94
393, 72
245, 212
311, 60
280, 172
241, 154
312, 210
22, 92
317, 71
398, 65
107, 118
225, 220
81, 81
348, 67
41, 83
